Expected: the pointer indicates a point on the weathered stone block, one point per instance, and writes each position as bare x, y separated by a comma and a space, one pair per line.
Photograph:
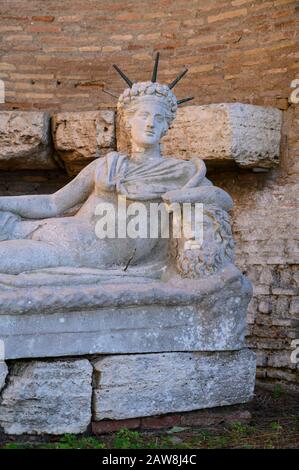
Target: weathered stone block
47, 397
80, 137
25, 141
281, 359
261, 359
121, 316
265, 307
266, 276
151, 384
221, 133
294, 307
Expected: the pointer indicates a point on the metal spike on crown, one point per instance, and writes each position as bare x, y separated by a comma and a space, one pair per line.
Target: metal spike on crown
154, 78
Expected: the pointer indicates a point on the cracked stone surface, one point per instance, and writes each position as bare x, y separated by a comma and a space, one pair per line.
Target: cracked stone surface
80, 137
246, 134
51, 397
25, 141
152, 384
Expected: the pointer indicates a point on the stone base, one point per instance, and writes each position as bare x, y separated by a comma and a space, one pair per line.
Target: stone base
123, 318
130, 386
65, 395
47, 397
165, 347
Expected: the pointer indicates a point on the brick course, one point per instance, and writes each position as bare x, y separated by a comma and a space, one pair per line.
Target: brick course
238, 51
58, 56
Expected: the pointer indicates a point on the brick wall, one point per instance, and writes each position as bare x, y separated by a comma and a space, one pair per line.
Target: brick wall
265, 226
57, 56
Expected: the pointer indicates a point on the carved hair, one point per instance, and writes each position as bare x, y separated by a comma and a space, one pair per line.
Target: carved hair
139, 92
144, 91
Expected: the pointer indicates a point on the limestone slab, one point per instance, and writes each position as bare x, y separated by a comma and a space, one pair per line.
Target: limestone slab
246, 134
124, 317
51, 397
80, 137
152, 384
25, 141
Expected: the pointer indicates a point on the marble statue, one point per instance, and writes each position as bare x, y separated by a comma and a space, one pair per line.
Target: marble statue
164, 317
36, 233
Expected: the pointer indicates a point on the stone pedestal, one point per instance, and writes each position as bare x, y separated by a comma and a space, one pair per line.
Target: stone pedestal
122, 317
47, 397
130, 386
120, 349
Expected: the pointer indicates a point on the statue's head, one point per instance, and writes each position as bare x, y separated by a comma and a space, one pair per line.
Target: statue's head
147, 109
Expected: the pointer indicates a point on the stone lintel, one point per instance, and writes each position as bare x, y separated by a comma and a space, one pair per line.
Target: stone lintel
139, 385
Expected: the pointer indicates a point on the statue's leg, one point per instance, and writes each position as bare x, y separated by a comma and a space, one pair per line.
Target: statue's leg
17, 256
13, 227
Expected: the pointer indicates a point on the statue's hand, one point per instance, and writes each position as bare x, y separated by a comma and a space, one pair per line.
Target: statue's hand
7, 224
176, 195
202, 194
191, 195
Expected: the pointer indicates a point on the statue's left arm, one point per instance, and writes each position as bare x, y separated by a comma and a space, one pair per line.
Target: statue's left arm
51, 205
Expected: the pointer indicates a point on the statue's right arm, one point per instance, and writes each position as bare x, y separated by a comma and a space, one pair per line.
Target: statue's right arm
52, 205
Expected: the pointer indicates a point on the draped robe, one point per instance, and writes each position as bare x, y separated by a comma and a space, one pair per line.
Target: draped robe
148, 180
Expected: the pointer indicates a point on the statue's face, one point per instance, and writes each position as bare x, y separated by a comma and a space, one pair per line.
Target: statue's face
148, 123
